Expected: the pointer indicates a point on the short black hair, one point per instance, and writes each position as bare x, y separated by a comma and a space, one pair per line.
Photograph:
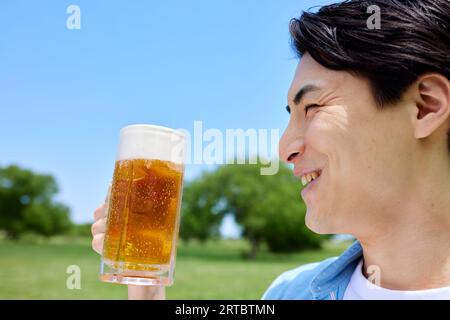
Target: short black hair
413, 38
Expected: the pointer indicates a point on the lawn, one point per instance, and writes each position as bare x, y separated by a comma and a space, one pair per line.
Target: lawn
214, 270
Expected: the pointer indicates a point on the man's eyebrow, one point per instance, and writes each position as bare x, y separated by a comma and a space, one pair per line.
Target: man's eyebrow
304, 90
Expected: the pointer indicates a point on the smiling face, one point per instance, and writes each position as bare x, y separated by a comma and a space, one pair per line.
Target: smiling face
364, 154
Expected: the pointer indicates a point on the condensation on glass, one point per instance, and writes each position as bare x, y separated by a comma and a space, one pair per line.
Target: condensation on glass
143, 207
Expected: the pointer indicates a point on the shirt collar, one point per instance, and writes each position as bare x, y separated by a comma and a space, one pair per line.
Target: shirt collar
332, 281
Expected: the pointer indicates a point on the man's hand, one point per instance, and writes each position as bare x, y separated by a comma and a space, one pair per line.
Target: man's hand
98, 228
98, 236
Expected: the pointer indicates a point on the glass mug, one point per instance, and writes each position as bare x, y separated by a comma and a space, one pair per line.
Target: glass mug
143, 207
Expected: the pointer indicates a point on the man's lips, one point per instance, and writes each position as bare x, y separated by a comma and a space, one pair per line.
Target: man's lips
299, 172
310, 186
307, 175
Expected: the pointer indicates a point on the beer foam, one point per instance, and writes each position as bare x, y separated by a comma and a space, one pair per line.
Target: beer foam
142, 141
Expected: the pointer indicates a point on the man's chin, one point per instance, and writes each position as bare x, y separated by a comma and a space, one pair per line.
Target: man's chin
315, 222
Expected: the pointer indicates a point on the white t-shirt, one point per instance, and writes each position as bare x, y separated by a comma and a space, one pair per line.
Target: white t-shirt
360, 288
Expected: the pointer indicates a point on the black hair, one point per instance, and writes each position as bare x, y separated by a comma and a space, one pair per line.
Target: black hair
413, 38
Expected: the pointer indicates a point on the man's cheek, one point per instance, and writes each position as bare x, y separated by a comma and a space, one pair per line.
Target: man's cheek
330, 137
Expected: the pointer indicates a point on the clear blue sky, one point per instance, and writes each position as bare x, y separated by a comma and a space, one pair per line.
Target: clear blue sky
64, 94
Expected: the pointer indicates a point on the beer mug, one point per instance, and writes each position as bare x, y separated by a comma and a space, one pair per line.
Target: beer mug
143, 207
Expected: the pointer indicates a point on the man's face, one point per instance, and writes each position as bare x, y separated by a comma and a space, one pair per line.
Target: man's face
363, 154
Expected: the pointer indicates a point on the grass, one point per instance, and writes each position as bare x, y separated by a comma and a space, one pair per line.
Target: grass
214, 270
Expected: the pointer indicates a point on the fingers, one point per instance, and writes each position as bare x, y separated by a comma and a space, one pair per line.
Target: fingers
100, 212
97, 242
98, 226
98, 229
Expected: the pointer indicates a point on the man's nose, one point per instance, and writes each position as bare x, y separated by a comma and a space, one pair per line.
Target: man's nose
291, 144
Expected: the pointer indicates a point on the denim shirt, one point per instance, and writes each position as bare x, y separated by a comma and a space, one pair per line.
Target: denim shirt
326, 280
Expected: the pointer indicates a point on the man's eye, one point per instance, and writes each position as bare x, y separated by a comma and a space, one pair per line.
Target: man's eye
309, 106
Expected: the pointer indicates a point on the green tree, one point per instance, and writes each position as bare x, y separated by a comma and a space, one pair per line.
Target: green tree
199, 219
27, 205
268, 208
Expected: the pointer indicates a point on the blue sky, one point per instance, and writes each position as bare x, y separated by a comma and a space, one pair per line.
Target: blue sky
64, 94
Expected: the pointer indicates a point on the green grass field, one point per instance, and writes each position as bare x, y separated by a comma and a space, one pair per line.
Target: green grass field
214, 270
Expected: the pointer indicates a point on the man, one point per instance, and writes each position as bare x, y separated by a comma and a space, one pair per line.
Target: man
369, 137
370, 115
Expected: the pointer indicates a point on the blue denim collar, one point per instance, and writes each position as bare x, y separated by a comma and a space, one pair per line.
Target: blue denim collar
331, 282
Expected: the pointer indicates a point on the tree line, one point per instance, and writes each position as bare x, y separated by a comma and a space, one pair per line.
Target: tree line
268, 208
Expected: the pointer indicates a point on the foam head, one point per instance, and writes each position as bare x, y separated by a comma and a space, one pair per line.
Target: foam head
143, 141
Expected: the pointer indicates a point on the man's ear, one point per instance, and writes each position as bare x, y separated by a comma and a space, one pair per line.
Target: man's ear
432, 104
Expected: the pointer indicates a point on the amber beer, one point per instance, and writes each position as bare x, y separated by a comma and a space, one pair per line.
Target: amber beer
144, 207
